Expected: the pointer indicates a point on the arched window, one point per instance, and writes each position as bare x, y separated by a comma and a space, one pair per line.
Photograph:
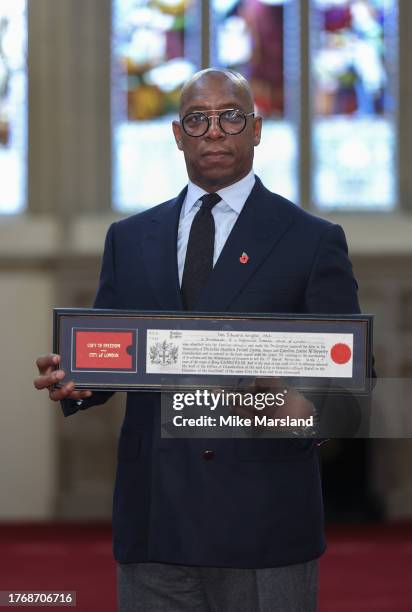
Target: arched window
354, 102
156, 48
325, 79
13, 105
260, 39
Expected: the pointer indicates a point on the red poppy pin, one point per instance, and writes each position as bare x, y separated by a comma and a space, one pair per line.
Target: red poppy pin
244, 258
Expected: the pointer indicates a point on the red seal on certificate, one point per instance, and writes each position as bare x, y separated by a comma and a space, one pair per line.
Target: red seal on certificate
340, 353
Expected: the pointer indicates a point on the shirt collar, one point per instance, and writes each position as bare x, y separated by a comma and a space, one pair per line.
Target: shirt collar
234, 195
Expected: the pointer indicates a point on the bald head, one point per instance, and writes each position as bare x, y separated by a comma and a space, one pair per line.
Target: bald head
200, 80
216, 158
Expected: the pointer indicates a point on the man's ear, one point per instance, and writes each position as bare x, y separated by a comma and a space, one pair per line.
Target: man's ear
257, 130
177, 131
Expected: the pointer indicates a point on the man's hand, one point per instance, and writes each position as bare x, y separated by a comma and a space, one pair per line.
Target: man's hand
295, 405
49, 376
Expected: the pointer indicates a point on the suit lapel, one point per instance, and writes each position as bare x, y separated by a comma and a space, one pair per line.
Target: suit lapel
260, 225
160, 254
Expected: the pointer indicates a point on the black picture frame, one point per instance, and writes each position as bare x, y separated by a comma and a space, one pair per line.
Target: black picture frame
72, 327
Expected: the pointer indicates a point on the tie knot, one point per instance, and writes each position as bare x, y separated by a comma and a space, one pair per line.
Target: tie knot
209, 200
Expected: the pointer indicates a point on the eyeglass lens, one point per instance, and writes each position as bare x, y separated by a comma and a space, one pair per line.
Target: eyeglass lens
230, 121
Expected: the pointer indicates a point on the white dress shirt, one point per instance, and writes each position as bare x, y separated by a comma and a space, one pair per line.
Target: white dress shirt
225, 214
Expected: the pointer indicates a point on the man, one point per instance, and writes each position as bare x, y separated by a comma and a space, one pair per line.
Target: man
227, 524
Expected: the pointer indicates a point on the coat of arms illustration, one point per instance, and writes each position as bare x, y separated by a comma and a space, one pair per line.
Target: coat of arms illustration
164, 353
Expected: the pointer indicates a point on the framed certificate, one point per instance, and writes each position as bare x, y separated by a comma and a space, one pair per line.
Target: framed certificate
140, 350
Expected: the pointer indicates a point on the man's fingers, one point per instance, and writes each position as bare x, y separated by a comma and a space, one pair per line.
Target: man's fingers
62, 392
68, 391
49, 379
243, 411
297, 406
47, 362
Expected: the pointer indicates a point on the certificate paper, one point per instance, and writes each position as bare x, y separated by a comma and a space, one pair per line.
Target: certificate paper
254, 354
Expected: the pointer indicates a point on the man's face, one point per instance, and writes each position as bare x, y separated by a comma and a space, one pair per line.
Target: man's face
216, 160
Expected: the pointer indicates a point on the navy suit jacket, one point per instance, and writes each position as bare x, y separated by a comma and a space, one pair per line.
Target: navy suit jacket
257, 503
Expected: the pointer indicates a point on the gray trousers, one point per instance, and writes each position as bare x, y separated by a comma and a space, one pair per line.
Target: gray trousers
160, 587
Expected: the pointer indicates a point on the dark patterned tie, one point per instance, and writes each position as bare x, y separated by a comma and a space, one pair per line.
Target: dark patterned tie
199, 254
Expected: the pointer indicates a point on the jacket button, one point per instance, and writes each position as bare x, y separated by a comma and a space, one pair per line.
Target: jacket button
208, 455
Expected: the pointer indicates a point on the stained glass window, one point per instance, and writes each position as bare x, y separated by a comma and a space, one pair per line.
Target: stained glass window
13, 105
353, 62
354, 70
156, 48
260, 39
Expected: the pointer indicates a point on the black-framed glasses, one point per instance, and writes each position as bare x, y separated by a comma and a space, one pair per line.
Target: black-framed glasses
231, 121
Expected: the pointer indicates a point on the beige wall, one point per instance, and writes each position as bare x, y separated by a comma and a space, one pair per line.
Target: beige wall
28, 442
